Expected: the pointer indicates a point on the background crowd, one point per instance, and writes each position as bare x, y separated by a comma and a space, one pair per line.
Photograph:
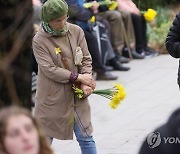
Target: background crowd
114, 37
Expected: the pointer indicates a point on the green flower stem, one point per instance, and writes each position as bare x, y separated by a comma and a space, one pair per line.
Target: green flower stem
109, 89
106, 96
142, 12
102, 92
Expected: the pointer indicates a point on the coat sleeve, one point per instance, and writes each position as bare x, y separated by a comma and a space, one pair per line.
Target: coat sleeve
173, 38
87, 60
47, 66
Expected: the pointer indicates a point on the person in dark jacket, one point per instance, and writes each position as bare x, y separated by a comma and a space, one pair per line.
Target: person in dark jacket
173, 41
165, 139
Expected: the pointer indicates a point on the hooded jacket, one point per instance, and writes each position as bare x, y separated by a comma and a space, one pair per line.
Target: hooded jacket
173, 41
167, 140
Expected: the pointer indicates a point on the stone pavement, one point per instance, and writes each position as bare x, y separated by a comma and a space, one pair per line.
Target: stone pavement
152, 95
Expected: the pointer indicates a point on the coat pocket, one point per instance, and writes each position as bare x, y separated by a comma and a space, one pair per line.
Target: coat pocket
55, 92
78, 56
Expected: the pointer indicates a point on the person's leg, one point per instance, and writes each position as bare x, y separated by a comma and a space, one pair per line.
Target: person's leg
97, 63
144, 32
118, 33
129, 29
86, 144
111, 53
106, 45
137, 24
140, 28
94, 50
116, 29
148, 51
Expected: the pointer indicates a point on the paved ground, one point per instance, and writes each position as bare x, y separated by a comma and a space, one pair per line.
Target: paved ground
152, 95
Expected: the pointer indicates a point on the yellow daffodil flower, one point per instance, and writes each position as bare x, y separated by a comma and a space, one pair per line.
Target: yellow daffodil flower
118, 96
79, 92
150, 14
93, 19
57, 50
113, 5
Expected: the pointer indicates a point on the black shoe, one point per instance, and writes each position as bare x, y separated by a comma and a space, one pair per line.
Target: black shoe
152, 51
106, 76
123, 59
146, 53
108, 68
149, 54
117, 65
135, 55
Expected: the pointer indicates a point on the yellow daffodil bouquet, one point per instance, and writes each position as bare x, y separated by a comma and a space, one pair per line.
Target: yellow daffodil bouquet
115, 94
149, 15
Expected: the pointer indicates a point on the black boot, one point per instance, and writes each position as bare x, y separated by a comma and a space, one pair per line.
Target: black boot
117, 65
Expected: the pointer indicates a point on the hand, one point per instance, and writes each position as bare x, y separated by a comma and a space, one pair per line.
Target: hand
86, 79
136, 11
95, 7
132, 7
87, 90
93, 84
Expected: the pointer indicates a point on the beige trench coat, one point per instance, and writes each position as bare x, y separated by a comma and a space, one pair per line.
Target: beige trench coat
56, 105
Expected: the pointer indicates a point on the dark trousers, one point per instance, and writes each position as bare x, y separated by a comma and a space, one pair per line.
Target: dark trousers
108, 46
94, 51
140, 27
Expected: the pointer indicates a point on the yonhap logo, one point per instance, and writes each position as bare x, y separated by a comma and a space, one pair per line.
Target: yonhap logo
154, 140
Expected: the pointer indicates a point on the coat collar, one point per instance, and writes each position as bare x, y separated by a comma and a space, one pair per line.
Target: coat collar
45, 34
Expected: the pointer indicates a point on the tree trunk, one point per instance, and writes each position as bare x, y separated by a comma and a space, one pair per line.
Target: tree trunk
15, 52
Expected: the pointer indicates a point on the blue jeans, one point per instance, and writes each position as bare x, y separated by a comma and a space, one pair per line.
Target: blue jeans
87, 144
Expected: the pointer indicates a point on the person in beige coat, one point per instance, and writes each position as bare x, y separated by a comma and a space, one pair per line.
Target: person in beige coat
63, 60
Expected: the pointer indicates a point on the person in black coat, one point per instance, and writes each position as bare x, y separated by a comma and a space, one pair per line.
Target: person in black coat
173, 41
165, 139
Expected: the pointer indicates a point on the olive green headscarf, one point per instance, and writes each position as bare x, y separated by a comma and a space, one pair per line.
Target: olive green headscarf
53, 9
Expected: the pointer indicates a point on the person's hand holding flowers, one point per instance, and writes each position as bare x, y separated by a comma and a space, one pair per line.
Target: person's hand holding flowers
86, 90
94, 7
116, 94
86, 79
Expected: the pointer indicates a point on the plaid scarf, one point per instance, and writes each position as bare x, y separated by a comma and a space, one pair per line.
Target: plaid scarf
48, 29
